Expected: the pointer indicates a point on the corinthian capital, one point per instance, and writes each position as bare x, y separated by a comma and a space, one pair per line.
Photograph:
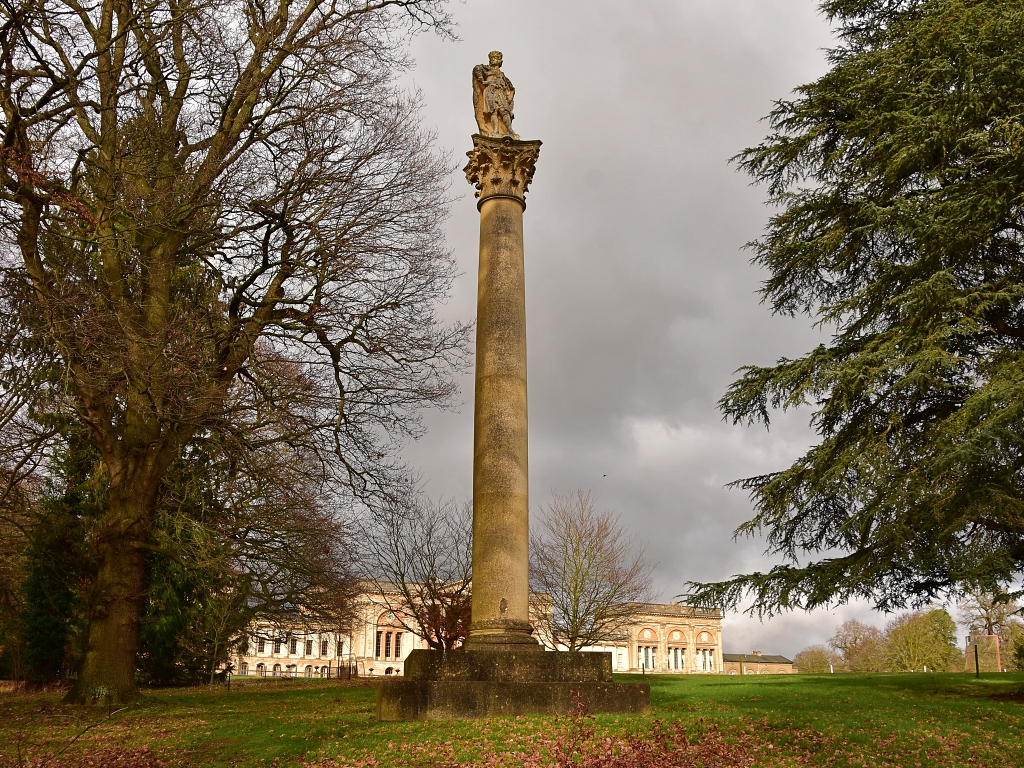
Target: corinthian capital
501, 167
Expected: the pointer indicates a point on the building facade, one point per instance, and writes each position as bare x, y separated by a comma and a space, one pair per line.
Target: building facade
670, 639
373, 643
664, 639
294, 651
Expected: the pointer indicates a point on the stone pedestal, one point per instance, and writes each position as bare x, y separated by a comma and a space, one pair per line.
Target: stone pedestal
468, 684
502, 670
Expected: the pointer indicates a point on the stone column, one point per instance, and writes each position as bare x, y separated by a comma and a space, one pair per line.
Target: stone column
501, 169
501, 672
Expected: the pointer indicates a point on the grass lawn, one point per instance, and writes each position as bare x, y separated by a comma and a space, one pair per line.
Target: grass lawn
823, 720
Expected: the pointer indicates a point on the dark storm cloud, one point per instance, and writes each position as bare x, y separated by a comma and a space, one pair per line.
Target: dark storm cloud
640, 301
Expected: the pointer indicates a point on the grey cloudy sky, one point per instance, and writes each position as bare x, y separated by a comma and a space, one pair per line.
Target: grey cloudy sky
640, 302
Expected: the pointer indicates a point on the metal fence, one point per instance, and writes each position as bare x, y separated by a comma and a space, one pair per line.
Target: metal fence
292, 672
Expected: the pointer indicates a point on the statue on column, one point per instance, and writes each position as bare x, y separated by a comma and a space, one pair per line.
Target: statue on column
493, 96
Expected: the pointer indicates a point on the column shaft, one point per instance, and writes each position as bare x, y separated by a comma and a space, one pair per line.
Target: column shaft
501, 586
501, 169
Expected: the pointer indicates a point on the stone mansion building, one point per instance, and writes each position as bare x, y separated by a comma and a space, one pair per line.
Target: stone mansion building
664, 638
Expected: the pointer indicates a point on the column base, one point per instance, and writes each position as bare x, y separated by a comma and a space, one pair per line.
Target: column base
505, 635
469, 684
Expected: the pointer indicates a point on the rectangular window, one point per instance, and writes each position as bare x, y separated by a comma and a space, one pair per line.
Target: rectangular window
261, 645
309, 647
376, 650
277, 645
293, 646
398, 645
340, 645
387, 645
323, 647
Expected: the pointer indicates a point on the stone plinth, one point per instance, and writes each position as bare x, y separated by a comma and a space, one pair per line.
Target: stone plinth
470, 684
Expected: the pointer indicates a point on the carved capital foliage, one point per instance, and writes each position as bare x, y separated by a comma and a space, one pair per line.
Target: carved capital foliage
501, 167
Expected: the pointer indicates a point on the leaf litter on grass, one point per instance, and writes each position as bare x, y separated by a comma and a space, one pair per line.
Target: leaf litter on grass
573, 742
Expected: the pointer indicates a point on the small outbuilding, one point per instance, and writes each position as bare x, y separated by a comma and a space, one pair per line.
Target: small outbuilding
756, 663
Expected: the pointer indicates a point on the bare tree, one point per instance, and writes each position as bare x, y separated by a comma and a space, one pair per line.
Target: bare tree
418, 560
861, 646
22, 444
989, 613
15, 525
259, 529
199, 199
591, 573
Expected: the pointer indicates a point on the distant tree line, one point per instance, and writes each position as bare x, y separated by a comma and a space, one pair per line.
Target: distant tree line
925, 640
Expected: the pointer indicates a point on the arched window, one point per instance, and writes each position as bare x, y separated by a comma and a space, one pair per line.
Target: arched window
676, 651
243, 668
647, 649
277, 670
704, 659
388, 638
309, 670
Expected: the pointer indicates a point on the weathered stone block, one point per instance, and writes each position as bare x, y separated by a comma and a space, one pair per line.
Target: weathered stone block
468, 684
461, 699
509, 666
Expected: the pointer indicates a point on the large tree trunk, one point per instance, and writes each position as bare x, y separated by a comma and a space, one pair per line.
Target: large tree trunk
107, 674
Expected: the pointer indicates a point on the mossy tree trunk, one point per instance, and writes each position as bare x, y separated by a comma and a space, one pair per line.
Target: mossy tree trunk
107, 674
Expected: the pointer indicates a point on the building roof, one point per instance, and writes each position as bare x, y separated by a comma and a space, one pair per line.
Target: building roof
754, 658
678, 609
